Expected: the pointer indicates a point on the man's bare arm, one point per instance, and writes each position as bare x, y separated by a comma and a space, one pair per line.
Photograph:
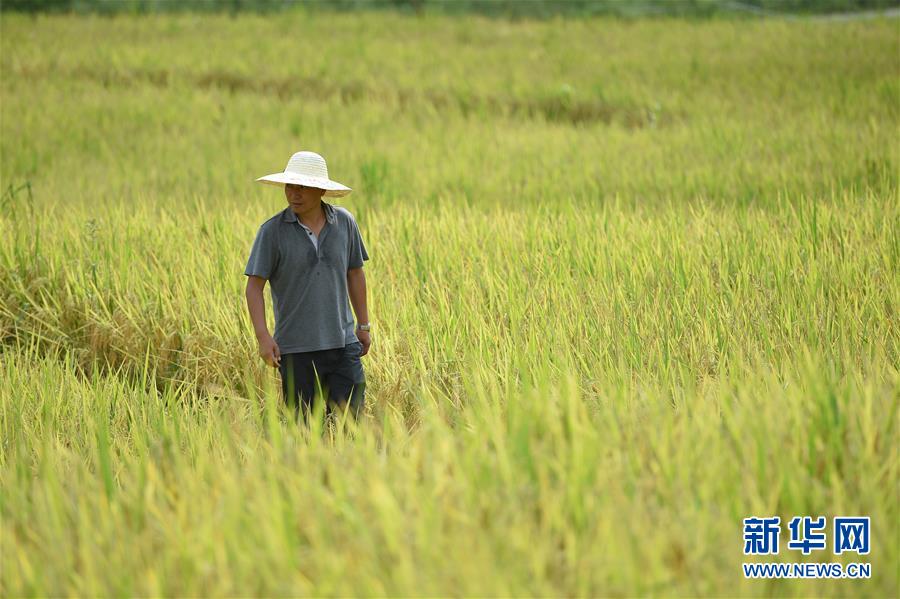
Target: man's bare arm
356, 286
256, 306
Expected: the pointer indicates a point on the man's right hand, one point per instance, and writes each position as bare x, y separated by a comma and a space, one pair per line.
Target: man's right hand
269, 351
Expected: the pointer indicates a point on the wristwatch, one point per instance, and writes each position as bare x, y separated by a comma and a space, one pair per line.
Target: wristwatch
363, 327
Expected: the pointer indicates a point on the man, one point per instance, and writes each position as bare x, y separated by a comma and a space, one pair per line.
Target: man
312, 254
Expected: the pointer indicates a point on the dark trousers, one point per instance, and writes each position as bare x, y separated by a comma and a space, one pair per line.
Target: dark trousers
339, 373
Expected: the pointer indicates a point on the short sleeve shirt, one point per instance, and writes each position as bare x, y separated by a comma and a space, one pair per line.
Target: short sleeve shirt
310, 296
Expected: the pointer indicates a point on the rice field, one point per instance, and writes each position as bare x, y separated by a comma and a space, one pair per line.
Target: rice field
630, 283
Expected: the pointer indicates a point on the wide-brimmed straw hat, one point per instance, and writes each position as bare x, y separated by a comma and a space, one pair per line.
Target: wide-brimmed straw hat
307, 168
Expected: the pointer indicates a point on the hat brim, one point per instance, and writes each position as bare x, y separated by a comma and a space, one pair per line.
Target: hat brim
333, 189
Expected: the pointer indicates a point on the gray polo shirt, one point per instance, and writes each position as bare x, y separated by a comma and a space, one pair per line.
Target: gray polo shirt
310, 297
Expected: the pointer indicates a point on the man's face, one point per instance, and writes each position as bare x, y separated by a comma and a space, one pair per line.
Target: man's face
301, 197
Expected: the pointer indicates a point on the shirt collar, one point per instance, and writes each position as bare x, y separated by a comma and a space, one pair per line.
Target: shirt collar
290, 217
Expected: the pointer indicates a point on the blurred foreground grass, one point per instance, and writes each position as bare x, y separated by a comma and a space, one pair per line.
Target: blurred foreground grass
637, 490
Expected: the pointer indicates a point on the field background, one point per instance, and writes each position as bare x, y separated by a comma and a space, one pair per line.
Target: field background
500, 8
631, 282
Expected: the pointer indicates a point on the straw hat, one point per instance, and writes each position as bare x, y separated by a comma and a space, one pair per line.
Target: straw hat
307, 168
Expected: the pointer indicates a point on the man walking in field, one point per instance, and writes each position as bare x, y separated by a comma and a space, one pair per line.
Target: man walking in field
312, 254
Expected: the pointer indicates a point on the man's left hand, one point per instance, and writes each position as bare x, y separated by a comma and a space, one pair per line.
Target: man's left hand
366, 340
